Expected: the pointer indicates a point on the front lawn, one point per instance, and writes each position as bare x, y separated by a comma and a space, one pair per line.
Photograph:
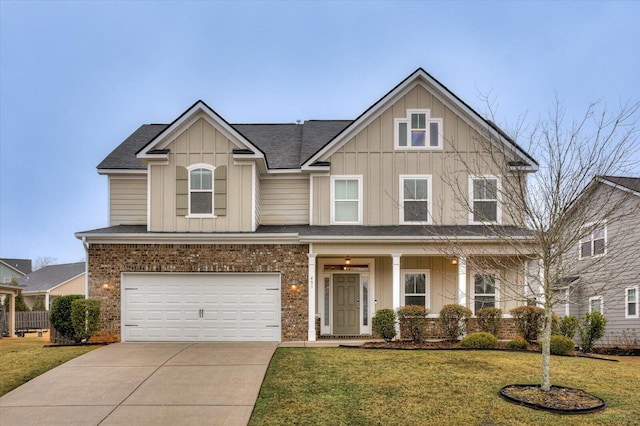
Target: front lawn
22, 359
356, 386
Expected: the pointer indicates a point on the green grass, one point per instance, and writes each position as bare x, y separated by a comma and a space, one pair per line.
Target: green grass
22, 359
361, 387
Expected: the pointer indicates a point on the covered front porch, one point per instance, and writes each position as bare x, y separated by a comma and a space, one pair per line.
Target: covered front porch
349, 282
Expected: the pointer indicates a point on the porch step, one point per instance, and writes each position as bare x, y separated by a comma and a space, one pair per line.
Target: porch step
346, 337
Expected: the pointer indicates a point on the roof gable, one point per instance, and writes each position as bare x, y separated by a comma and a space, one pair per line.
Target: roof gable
440, 92
628, 184
22, 266
156, 147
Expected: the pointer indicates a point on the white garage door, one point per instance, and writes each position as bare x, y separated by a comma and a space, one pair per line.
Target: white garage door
200, 307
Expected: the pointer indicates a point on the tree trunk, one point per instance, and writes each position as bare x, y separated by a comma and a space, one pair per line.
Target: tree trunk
546, 349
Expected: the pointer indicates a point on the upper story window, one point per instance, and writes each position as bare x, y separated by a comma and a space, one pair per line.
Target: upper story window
485, 293
418, 130
415, 199
631, 302
201, 190
594, 244
596, 304
484, 198
346, 200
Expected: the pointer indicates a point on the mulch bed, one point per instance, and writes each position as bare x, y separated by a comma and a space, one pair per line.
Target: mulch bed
558, 399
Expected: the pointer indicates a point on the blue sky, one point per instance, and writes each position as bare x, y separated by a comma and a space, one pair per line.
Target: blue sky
76, 78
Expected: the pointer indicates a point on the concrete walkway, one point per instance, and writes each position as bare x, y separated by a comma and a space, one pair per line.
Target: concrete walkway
145, 384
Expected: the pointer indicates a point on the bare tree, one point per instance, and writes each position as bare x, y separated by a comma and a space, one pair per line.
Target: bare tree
42, 261
555, 206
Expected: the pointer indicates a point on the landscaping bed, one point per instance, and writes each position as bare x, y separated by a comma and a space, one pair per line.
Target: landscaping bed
558, 399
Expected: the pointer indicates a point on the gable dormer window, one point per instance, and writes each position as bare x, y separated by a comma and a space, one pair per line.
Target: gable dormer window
201, 190
418, 131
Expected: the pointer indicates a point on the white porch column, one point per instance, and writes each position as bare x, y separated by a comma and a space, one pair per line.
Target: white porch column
396, 285
12, 314
462, 280
46, 301
312, 298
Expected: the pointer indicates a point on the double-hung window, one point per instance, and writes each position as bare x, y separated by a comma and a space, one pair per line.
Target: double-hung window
484, 196
418, 130
594, 244
201, 190
346, 200
416, 288
484, 291
631, 304
415, 199
596, 304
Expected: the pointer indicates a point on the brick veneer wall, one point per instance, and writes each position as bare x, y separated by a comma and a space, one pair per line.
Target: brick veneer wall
108, 261
434, 329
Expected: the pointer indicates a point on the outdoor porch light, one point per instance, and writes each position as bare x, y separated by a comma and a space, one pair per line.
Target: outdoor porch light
105, 285
347, 261
454, 261
294, 284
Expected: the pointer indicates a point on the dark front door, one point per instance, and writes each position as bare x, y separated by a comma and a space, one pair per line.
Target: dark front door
346, 306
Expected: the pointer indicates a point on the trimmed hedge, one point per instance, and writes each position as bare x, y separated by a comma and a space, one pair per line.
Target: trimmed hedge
489, 320
60, 314
413, 320
454, 320
517, 343
529, 321
568, 326
561, 345
384, 323
480, 340
85, 316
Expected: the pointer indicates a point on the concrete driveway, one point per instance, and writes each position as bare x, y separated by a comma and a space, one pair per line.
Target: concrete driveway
145, 384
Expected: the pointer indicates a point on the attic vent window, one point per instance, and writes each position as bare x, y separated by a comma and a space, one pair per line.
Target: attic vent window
418, 131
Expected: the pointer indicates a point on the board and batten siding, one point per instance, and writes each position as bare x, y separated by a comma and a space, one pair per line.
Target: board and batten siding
128, 200
201, 142
284, 201
371, 154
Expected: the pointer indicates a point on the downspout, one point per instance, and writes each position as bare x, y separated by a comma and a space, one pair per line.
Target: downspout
85, 244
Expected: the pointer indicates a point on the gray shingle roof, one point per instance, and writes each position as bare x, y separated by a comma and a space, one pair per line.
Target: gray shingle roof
50, 276
429, 231
124, 156
22, 265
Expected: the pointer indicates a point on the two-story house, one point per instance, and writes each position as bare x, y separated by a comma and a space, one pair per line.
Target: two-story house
605, 274
283, 232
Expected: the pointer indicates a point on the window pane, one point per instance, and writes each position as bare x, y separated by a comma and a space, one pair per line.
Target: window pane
598, 247
326, 301
402, 134
418, 121
434, 134
585, 249
346, 211
414, 300
206, 179
340, 192
409, 284
365, 300
420, 283
196, 179
484, 284
484, 302
596, 305
485, 211
631, 309
418, 137
478, 189
416, 211
409, 189
201, 202
631, 295
598, 234
352, 189
421, 189
491, 189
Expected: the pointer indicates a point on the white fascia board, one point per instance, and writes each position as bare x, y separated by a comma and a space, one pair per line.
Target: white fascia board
122, 171
620, 187
189, 238
401, 240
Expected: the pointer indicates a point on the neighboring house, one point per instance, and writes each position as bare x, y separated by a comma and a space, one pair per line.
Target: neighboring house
606, 256
13, 268
283, 232
51, 281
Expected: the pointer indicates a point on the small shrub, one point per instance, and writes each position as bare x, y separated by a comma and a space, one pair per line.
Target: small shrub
489, 320
384, 323
517, 343
529, 321
555, 324
85, 316
591, 329
413, 320
60, 314
561, 345
454, 318
480, 340
568, 326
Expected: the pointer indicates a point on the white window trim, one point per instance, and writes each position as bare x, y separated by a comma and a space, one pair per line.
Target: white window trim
427, 285
213, 186
606, 238
407, 120
601, 303
498, 220
626, 302
472, 288
332, 206
429, 220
